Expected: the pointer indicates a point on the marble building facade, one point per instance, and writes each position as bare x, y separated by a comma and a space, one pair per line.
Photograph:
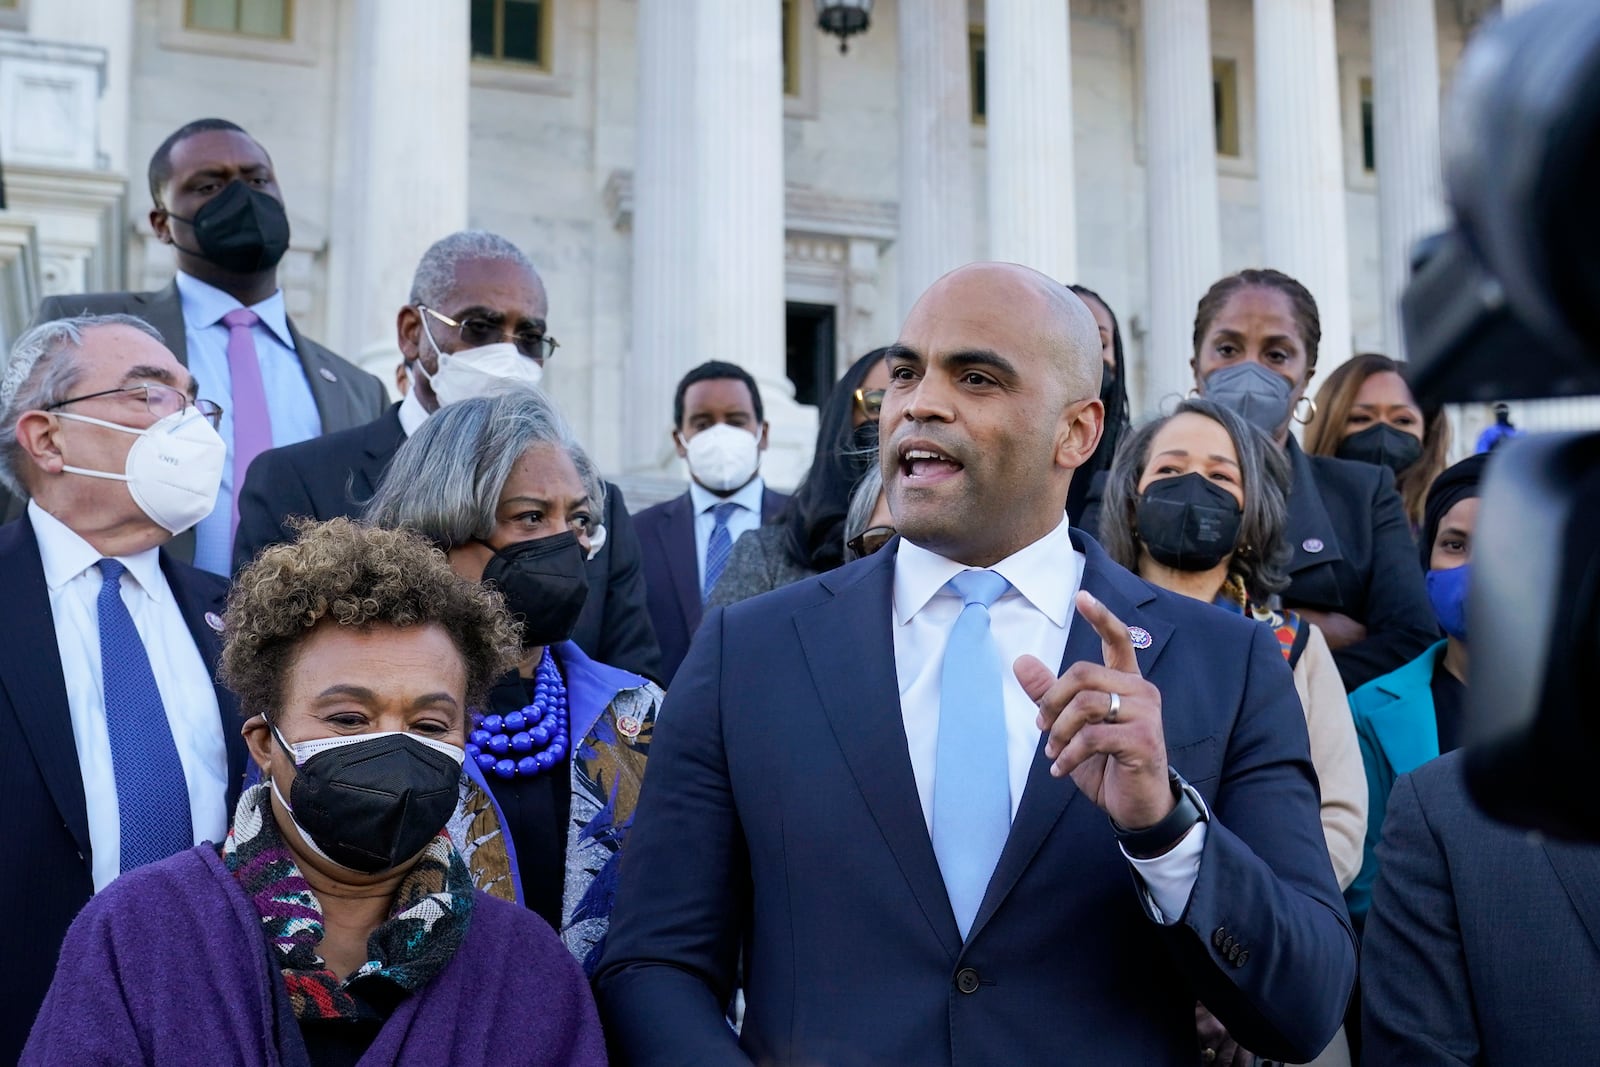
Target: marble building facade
703, 179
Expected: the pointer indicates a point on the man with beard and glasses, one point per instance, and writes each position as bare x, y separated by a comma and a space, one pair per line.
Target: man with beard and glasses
217, 203
988, 797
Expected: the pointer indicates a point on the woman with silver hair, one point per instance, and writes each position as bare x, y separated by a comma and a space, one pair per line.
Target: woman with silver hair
555, 758
1196, 503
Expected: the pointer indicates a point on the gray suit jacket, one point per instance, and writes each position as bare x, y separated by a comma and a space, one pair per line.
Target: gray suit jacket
346, 396
1483, 943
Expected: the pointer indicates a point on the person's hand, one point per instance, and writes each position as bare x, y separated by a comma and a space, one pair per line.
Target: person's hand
1104, 724
1217, 1049
1341, 630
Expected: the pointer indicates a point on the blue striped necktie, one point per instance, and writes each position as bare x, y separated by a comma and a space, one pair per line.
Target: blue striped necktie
152, 797
719, 548
971, 778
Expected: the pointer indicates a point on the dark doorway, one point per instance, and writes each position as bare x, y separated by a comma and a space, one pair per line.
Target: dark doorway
809, 351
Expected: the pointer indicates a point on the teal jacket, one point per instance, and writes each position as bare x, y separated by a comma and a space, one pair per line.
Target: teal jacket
1397, 731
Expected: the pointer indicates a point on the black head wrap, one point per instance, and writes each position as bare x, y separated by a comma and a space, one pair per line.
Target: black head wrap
1454, 484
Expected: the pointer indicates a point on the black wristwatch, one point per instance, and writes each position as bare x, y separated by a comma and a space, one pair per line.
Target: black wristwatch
1156, 840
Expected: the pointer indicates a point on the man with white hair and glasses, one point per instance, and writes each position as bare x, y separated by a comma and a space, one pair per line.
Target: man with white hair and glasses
117, 749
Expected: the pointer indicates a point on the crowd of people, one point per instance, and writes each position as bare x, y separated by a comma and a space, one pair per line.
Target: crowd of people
1022, 732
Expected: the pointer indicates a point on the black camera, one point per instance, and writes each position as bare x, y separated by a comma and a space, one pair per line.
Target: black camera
1506, 305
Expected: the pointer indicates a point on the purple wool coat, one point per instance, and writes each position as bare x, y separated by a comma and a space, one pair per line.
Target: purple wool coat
168, 965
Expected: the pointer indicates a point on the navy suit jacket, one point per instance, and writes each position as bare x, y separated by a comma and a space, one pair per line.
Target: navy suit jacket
781, 816
1483, 942
44, 820
672, 571
336, 474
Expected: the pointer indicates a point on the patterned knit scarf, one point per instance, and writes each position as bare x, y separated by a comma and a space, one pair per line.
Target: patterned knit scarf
427, 921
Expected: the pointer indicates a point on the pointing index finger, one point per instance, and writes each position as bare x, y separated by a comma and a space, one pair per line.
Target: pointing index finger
1115, 644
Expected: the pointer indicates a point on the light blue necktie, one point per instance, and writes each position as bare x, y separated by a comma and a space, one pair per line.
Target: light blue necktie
719, 548
152, 798
971, 778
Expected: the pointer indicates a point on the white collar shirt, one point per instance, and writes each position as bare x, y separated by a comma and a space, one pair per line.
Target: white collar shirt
1033, 617
74, 582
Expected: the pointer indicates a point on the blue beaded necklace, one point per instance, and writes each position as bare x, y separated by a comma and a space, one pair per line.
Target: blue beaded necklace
527, 742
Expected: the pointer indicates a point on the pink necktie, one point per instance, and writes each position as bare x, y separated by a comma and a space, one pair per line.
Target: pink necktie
252, 426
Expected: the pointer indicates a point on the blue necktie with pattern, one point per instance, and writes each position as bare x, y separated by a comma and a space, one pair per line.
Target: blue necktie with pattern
971, 778
152, 797
719, 548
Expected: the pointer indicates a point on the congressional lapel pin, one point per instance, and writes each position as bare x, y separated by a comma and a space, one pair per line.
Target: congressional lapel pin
629, 725
1139, 636
1312, 544
327, 374
214, 621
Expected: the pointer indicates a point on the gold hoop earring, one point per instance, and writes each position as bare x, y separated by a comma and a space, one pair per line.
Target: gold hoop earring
1303, 420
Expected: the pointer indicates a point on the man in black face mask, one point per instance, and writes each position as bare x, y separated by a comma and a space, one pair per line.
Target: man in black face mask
217, 202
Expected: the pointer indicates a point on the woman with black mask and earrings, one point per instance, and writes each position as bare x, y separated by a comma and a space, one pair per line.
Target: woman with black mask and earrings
1365, 411
1196, 503
337, 922
1113, 394
556, 754
1353, 567
808, 537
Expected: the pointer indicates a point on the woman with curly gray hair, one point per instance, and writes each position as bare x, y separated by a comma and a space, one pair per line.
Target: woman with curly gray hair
337, 922
556, 752
1196, 504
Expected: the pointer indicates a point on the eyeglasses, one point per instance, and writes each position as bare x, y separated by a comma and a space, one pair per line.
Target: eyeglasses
476, 332
870, 540
159, 400
869, 402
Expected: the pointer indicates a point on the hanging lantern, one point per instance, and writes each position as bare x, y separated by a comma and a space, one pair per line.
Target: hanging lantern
844, 19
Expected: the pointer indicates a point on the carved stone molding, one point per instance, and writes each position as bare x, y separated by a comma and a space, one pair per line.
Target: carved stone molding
805, 210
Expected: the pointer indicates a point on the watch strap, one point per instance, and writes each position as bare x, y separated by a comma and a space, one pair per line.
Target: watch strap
1155, 840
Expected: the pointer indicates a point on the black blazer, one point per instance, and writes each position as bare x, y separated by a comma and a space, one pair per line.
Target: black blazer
672, 570
345, 394
780, 823
1483, 942
1353, 554
44, 821
336, 474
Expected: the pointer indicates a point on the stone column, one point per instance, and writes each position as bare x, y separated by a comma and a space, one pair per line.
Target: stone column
1300, 160
664, 343
401, 163
106, 24
1405, 117
738, 277
936, 206
1031, 211
1180, 187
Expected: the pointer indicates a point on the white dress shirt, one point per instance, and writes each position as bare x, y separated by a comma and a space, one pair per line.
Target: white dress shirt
74, 581
741, 522
290, 406
1030, 618
412, 414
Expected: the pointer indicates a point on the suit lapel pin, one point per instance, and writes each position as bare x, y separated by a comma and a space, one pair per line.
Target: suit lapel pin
629, 725
214, 621
327, 374
1312, 544
1139, 636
